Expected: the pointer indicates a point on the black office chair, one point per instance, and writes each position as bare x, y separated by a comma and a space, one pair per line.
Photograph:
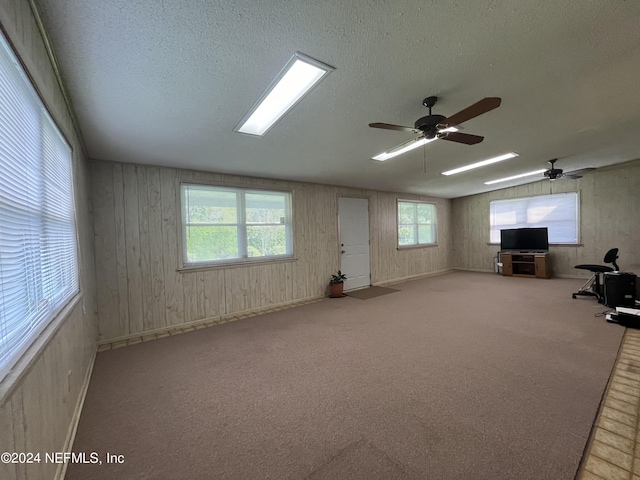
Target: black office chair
593, 286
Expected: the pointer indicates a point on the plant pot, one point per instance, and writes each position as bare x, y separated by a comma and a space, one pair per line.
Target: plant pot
335, 290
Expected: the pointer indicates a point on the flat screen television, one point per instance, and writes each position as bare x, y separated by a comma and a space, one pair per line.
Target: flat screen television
524, 239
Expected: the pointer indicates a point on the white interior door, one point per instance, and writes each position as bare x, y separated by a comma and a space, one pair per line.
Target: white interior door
353, 222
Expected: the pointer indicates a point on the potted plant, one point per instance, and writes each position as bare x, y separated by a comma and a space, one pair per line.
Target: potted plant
336, 284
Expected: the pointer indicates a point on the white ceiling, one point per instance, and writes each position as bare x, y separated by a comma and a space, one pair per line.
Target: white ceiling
165, 82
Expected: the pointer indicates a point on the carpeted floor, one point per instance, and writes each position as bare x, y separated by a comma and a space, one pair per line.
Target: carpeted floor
460, 376
370, 292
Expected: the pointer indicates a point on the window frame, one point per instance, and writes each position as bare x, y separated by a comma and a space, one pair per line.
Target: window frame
65, 301
434, 225
243, 260
578, 241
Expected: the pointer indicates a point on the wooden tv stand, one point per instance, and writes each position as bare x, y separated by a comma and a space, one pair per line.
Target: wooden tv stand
520, 264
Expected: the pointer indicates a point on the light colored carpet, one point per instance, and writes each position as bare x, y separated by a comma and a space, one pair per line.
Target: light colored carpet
370, 292
460, 376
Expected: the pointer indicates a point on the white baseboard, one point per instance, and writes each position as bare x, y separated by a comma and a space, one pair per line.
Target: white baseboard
75, 419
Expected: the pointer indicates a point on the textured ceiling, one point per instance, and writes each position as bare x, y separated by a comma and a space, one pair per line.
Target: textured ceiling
165, 82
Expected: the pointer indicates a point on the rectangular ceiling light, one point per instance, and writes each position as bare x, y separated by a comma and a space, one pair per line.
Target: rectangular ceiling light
295, 80
410, 145
537, 172
489, 161
403, 148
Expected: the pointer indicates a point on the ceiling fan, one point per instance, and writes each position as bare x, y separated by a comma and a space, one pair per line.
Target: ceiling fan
432, 126
554, 173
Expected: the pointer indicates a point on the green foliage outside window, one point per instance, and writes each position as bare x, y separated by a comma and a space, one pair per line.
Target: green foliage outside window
206, 244
225, 224
416, 223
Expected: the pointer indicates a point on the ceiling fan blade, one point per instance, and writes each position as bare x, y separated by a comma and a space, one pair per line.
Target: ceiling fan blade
458, 137
578, 173
388, 126
483, 106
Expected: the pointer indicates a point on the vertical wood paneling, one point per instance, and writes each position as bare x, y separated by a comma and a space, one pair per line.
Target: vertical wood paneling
588, 209
236, 281
190, 296
158, 308
7, 443
146, 275
213, 293
106, 265
258, 293
20, 429
35, 412
287, 281
132, 248
174, 293
121, 249
200, 286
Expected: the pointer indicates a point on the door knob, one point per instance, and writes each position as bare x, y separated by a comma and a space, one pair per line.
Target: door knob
342, 251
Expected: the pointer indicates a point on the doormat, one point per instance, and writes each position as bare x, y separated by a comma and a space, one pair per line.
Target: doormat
370, 292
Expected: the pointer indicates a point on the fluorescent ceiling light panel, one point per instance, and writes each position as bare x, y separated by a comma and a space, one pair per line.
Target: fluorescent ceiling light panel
295, 80
410, 145
403, 148
489, 161
537, 172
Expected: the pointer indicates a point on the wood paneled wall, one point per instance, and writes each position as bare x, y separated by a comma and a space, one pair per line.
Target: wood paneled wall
38, 402
609, 217
136, 211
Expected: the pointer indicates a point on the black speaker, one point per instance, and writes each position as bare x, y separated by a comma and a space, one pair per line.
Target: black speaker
619, 289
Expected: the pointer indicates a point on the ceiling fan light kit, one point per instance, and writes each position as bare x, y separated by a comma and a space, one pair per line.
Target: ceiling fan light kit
433, 127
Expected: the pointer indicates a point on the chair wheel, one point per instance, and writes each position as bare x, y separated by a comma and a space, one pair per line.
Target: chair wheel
573, 296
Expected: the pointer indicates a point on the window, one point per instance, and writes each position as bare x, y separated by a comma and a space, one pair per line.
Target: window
558, 212
416, 223
38, 264
223, 224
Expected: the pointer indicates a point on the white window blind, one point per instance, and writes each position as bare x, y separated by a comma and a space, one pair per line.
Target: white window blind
222, 224
38, 264
557, 212
416, 223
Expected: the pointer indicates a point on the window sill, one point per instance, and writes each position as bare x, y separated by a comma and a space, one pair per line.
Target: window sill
413, 247
223, 266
